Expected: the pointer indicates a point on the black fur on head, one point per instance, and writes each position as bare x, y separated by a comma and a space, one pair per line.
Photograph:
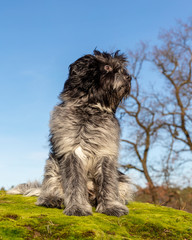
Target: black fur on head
99, 78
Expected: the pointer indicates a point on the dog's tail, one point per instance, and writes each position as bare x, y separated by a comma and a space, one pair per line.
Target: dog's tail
27, 189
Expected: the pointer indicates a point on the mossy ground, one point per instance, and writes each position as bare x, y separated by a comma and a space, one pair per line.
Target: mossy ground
20, 218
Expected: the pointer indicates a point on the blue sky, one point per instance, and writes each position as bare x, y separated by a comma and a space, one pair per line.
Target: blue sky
38, 40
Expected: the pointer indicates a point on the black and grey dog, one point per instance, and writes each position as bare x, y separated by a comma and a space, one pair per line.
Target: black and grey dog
81, 171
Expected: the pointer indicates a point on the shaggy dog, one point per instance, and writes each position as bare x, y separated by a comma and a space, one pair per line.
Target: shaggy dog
84, 136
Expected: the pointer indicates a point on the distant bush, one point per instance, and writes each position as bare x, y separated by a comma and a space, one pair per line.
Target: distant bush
171, 197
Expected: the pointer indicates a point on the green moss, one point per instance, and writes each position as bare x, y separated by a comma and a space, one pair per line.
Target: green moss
20, 218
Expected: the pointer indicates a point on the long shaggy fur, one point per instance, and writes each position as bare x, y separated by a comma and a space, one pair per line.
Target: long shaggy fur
81, 171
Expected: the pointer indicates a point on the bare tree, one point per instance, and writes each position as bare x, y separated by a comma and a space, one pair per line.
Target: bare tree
142, 122
174, 61
165, 116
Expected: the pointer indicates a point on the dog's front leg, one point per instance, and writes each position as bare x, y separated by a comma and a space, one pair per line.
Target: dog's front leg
74, 180
106, 181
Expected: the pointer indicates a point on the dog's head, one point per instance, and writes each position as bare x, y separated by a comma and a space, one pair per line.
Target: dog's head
99, 78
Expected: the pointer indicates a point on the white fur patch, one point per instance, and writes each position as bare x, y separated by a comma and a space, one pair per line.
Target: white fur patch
80, 154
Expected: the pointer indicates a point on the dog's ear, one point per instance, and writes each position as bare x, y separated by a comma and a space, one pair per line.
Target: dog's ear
82, 75
82, 66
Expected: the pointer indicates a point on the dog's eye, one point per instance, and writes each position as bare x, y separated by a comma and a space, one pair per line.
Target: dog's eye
108, 68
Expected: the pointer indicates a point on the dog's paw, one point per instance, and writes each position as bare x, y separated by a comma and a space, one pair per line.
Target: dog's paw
78, 210
50, 201
113, 209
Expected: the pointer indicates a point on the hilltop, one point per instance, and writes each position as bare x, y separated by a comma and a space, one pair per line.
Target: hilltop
20, 218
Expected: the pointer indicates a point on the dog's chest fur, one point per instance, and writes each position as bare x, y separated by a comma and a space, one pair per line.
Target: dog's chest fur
89, 132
